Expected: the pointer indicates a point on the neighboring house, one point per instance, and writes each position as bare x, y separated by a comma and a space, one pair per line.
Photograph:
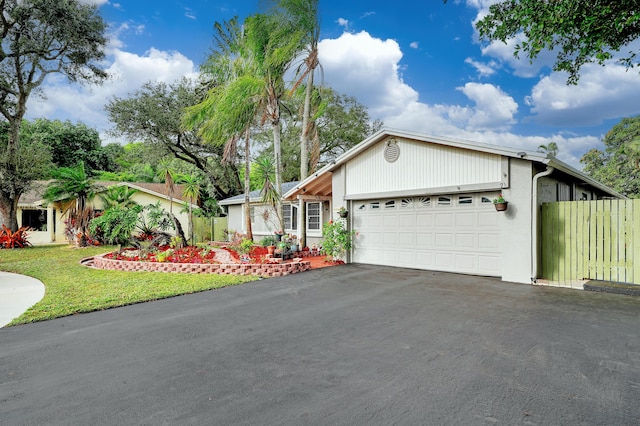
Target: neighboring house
265, 222
425, 202
47, 220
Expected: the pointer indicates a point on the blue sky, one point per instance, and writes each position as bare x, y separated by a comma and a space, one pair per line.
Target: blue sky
418, 66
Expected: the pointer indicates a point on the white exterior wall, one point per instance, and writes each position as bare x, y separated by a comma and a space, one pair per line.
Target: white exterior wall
515, 224
339, 190
235, 218
40, 237
145, 199
419, 166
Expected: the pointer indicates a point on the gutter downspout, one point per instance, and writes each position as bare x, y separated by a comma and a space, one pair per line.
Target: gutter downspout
534, 222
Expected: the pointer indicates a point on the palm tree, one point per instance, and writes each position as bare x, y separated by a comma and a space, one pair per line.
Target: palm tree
551, 148
247, 71
270, 195
73, 183
191, 190
118, 196
166, 172
303, 14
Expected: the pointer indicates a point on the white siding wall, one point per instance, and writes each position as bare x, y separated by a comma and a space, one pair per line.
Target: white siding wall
420, 165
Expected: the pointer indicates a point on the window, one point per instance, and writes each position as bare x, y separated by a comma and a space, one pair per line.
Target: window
362, 207
374, 205
424, 202
486, 200
406, 203
390, 204
463, 199
314, 219
444, 201
290, 216
36, 219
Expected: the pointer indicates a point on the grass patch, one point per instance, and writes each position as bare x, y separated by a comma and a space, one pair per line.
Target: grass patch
72, 288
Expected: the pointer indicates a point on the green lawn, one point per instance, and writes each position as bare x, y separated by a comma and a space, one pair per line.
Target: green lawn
72, 288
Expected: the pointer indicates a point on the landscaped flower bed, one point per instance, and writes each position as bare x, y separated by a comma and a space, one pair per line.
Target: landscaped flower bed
199, 260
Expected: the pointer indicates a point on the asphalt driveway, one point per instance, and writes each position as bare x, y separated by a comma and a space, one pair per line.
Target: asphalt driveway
353, 344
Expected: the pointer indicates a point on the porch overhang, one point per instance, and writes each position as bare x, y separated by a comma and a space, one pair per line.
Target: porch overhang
318, 186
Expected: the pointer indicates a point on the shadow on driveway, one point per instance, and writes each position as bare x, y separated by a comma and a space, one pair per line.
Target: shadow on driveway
353, 344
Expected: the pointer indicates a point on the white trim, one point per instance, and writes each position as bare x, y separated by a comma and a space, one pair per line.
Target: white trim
314, 232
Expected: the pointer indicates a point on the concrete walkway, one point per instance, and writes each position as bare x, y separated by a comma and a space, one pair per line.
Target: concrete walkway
17, 294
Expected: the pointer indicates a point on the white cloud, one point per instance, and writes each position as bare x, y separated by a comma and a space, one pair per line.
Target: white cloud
128, 72
343, 22
484, 70
601, 93
414, 45
494, 109
189, 13
367, 68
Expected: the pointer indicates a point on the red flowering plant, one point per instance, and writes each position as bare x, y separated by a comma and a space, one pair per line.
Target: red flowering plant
189, 254
10, 240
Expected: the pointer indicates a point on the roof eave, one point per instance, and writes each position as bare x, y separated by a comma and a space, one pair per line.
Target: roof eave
564, 167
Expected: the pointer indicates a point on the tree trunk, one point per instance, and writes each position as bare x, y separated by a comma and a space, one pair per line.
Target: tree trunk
9, 210
277, 154
247, 185
179, 230
304, 156
10, 196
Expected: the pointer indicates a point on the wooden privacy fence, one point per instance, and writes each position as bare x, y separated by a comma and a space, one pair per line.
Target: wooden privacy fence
598, 240
209, 229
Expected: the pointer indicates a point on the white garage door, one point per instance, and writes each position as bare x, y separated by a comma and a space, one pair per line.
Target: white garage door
455, 233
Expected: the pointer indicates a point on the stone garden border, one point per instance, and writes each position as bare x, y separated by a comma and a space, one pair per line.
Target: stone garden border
261, 269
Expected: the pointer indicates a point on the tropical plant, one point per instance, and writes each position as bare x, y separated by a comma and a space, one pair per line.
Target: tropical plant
36, 43
269, 194
247, 74
245, 246
116, 225
118, 196
267, 241
10, 239
74, 185
337, 240
551, 148
191, 190
304, 15
168, 174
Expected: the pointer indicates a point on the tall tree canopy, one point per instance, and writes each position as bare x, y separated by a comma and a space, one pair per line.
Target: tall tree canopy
619, 165
72, 143
154, 113
340, 123
39, 38
246, 71
579, 31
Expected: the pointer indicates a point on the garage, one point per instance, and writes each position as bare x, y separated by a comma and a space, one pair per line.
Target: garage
454, 233
426, 202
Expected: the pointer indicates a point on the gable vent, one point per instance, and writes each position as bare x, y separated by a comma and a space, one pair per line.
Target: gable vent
391, 151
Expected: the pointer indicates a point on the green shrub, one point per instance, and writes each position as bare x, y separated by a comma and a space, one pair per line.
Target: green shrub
116, 225
267, 241
245, 246
336, 239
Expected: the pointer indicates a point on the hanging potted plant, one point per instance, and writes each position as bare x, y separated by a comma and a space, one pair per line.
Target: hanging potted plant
500, 203
342, 212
